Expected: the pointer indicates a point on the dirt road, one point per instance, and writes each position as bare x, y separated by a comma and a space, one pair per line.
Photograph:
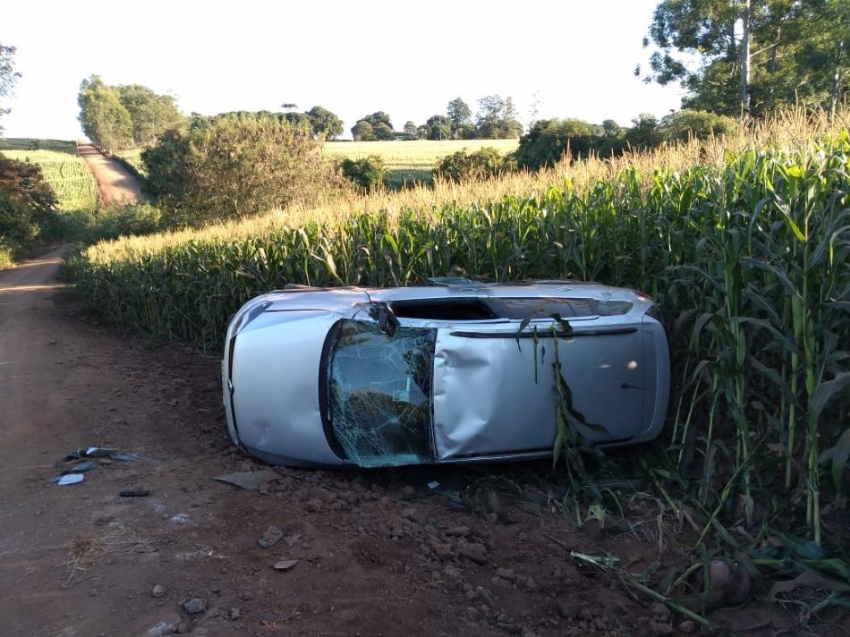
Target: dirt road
116, 184
369, 553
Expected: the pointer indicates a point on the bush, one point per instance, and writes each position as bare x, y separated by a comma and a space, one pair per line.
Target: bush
125, 221
549, 139
486, 162
233, 166
366, 173
26, 202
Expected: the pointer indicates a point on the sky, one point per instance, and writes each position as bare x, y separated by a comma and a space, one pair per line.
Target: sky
407, 58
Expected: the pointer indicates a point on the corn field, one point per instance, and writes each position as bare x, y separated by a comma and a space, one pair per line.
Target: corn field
744, 244
63, 169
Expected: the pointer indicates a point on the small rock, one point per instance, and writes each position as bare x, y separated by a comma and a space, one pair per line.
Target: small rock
506, 573
660, 628
194, 606
158, 591
459, 531
484, 595
688, 627
567, 610
162, 628
285, 565
408, 491
321, 494
312, 506
443, 550
452, 572
661, 611
408, 513
234, 614
474, 552
585, 615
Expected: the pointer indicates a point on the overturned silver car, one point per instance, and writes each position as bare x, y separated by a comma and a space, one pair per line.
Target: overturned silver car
453, 372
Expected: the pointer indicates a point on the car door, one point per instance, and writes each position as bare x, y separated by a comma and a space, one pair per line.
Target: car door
495, 394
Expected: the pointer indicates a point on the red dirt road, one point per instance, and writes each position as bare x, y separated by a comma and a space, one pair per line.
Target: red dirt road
116, 184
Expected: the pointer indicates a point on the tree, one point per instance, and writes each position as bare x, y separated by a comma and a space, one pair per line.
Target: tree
150, 114
362, 131
105, 120
644, 133
379, 117
497, 118
8, 75
383, 132
752, 56
549, 139
411, 130
234, 165
437, 127
686, 124
459, 115
325, 124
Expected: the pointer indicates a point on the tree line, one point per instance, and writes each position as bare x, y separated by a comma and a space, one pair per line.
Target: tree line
496, 118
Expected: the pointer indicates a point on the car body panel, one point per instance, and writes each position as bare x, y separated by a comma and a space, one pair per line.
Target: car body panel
295, 392
486, 400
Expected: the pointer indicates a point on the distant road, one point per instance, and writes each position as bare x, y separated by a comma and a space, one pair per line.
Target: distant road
116, 185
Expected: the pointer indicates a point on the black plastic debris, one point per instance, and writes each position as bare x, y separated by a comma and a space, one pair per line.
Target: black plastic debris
248, 480
134, 493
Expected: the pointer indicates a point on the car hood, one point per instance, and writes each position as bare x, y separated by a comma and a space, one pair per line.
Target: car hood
275, 394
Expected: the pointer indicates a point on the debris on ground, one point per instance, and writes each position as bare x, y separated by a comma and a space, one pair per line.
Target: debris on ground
134, 493
249, 480
70, 478
285, 565
271, 537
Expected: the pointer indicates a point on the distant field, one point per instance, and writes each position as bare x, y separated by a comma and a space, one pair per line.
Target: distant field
62, 167
408, 162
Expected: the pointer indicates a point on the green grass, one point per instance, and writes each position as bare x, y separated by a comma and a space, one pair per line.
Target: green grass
409, 162
134, 158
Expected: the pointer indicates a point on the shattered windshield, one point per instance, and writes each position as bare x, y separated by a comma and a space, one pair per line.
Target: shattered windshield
379, 393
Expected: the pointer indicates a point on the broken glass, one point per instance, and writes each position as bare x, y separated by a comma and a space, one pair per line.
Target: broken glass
380, 393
